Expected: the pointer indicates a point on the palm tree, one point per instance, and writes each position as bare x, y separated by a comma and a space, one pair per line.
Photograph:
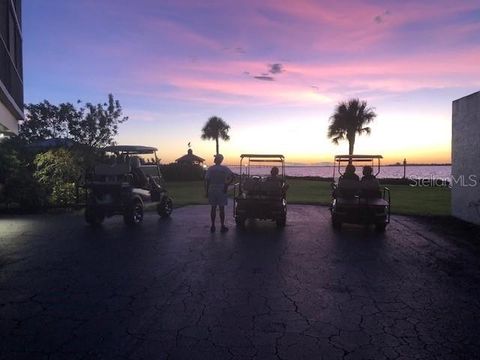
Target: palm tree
348, 120
214, 129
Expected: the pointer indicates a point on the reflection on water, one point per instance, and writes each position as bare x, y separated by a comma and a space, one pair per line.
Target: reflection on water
424, 172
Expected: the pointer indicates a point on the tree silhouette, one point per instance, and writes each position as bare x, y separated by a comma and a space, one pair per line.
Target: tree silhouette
348, 120
92, 125
214, 129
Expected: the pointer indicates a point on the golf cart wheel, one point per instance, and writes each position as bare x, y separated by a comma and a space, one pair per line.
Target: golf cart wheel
336, 224
165, 208
93, 216
240, 221
134, 213
281, 222
380, 227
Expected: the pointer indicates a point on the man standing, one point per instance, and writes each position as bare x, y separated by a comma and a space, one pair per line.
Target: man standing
217, 179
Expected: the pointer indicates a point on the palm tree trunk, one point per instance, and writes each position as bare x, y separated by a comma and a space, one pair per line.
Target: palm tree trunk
216, 140
351, 144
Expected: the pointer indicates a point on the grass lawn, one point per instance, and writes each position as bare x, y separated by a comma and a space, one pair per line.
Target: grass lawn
405, 199
420, 200
187, 193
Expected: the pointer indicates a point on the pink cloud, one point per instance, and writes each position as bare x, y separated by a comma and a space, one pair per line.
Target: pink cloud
315, 29
225, 81
350, 26
180, 33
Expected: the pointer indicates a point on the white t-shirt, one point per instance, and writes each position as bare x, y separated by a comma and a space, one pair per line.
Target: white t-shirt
218, 175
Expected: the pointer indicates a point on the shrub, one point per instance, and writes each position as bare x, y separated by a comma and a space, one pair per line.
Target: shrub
58, 171
182, 172
63, 194
9, 162
17, 185
22, 188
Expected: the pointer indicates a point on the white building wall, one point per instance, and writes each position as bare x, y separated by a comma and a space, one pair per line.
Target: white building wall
7, 120
466, 158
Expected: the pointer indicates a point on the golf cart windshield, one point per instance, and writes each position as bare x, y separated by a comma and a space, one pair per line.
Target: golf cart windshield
261, 164
341, 161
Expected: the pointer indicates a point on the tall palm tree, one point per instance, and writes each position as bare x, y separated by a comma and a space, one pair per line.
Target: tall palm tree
348, 120
214, 129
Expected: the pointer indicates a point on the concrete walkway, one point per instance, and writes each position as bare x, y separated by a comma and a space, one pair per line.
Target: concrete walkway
170, 289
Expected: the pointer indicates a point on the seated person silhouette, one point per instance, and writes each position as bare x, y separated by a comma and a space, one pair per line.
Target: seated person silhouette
278, 181
350, 173
369, 185
274, 175
348, 183
139, 178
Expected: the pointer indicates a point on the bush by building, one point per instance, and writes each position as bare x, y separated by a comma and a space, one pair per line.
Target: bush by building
182, 172
18, 187
57, 171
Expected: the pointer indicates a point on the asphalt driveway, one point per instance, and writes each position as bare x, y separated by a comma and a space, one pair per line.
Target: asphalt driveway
170, 289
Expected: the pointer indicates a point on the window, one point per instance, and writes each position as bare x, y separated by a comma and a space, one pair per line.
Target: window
11, 34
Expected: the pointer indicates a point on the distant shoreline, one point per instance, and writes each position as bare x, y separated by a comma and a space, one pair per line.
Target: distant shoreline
418, 165
313, 165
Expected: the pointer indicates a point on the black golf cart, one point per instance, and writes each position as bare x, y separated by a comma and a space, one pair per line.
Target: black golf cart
260, 197
123, 183
359, 202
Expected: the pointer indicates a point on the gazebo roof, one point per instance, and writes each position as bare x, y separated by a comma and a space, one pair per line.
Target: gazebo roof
190, 157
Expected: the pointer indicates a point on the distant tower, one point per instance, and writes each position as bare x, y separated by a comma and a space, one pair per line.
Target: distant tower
11, 67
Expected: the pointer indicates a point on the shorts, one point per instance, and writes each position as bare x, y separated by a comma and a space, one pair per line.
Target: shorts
217, 195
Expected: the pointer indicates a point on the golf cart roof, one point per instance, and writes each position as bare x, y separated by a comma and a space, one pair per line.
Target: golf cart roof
266, 156
130, 149
341, 158
263, 157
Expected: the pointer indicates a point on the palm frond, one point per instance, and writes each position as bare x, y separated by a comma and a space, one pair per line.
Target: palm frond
349, 119
215, 128
337, 139
367, 130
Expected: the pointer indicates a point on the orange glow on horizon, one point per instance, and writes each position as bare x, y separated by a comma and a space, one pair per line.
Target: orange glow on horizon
440, 155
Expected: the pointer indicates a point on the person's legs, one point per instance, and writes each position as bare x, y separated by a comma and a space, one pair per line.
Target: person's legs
222, 218
213, 214
222, 215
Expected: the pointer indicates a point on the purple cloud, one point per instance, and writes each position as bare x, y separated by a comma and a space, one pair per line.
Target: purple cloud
264, 78
275, 68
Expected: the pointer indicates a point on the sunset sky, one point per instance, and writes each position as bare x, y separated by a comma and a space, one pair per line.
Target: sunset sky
274, 70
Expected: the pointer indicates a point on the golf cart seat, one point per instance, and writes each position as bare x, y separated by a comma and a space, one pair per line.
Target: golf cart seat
149, 170
347, 188
259, 187
112, 173
373, 201
251, 185
370, 189
139, 177
272, 187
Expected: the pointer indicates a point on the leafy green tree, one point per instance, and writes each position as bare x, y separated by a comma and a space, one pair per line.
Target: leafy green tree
215, 129
349, 119
47, 121
90, 125
97, 125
